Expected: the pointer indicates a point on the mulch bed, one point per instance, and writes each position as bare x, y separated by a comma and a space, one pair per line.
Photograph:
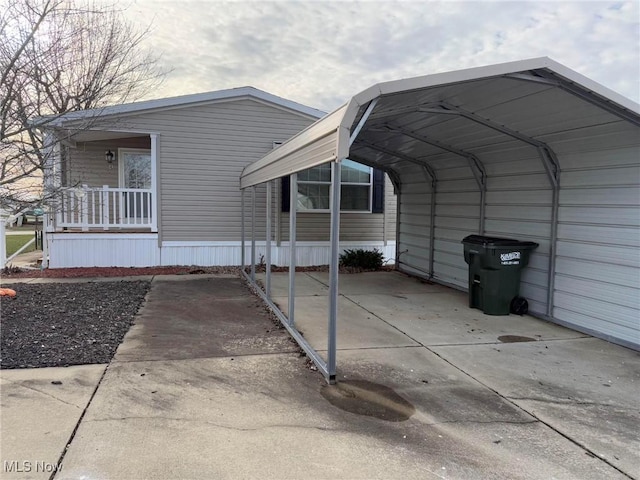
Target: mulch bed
62, 324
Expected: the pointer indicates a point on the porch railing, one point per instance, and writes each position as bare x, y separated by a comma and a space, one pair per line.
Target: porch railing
105, 207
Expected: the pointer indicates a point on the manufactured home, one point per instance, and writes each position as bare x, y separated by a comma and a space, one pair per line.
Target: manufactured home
157, 183
529, 150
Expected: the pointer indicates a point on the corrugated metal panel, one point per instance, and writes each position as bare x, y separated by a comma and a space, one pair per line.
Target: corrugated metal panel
597, 284
500, 114
457, 215
414, 221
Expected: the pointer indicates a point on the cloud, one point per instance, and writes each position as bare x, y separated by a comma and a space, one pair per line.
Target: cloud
322, 53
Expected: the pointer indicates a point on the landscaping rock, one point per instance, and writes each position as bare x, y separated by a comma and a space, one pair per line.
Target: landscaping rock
62, 324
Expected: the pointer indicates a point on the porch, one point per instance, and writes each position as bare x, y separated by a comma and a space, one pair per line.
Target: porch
105, 181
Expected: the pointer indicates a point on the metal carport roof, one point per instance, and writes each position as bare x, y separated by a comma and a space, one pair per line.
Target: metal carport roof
460, 135
521, 101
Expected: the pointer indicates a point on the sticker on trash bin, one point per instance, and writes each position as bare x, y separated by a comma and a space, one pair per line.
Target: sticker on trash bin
511, 258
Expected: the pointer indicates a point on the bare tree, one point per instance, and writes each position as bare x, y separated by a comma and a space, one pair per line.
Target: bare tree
56, 57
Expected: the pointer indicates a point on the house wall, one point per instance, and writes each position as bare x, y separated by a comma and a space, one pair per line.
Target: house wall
201, 152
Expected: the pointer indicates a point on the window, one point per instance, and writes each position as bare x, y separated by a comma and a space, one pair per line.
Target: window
314, 186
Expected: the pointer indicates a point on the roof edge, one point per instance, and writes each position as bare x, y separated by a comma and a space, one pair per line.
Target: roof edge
184, 101
486, 71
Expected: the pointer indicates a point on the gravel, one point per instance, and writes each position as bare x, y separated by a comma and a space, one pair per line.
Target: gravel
62, 324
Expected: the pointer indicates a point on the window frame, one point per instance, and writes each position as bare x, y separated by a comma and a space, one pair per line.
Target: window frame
325, 210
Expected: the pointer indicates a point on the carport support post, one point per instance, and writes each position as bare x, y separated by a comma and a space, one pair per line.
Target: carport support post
333, 270
253, 233
242, 262
267, 253
293, 204
432, 227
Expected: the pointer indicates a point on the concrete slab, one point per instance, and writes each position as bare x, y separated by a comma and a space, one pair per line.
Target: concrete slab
253, 417
357, 328
379, 282
39, 411
206, 386
306, 285
587, 389
266, 417
444, 318
475, 432
201, 317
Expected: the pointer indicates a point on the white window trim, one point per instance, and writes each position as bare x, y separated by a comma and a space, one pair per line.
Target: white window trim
324, 210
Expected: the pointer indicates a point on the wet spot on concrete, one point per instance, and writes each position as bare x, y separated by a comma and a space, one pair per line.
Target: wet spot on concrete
367, 398
515, 339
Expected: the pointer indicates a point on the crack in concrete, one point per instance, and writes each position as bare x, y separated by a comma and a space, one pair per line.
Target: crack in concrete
75, 430
563, 401
487, 422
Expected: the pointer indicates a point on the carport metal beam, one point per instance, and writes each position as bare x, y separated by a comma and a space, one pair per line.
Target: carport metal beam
293, 201
288, 323
401, 156
267, 253
253, 233
242, 233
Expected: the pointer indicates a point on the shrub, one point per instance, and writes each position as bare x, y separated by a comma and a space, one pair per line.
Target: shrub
365, 259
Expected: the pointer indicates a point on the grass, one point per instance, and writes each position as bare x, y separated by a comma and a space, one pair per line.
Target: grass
14, 242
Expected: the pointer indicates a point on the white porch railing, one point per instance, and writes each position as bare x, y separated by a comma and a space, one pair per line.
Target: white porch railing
106, 207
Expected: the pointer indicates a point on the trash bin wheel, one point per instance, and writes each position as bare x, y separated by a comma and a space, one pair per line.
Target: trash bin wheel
519, 306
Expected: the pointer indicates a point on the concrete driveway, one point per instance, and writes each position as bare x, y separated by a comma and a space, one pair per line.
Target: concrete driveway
205, 386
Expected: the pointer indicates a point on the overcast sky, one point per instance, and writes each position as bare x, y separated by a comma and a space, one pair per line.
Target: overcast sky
320, 53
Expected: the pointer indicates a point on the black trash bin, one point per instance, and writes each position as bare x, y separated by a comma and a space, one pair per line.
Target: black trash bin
495, 265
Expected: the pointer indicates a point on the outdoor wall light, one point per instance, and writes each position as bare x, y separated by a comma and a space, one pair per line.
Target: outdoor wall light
109, 157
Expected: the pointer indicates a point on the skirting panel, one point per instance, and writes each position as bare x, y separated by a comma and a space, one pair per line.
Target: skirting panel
228, 253
69, 250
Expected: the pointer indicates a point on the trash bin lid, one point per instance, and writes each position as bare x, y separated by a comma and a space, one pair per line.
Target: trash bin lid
496, 241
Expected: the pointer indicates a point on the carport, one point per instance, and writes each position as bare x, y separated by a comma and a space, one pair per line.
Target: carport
529, 149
